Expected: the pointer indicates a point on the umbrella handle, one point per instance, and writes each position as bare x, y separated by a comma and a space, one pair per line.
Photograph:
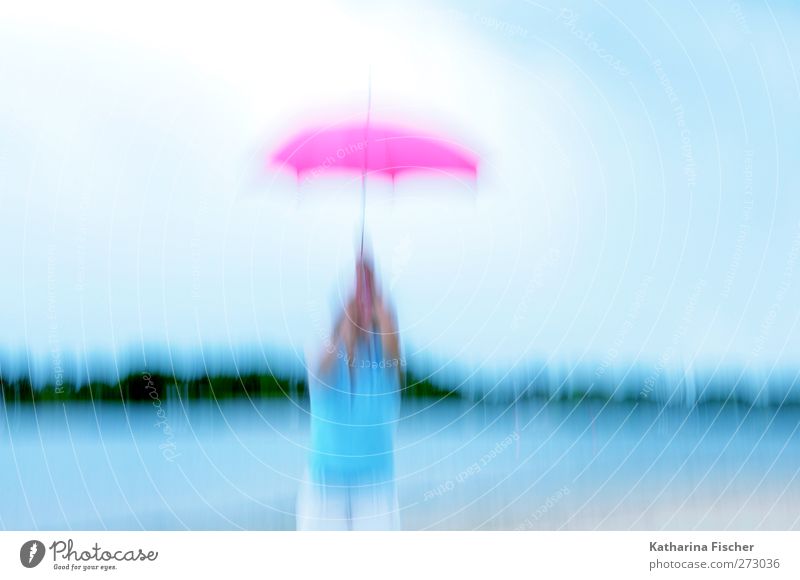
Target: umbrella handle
363, 214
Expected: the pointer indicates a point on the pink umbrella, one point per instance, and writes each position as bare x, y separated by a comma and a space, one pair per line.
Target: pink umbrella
381, 150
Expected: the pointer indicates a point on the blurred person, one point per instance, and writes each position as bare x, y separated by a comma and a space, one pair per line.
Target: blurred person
354, 389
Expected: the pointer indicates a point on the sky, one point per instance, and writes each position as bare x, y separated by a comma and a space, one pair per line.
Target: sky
636, 199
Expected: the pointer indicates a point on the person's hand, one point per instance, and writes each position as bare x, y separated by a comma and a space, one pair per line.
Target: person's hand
365, 293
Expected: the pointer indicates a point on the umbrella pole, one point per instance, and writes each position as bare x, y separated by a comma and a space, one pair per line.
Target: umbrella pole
363, 212
364, 168
370, 344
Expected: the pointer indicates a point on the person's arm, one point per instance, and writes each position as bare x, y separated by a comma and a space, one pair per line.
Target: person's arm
344, 336
387, 328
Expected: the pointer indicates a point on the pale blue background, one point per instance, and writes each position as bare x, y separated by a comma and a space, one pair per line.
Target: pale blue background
137, 212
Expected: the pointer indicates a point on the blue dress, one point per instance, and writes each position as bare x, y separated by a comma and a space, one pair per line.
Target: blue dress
350, 481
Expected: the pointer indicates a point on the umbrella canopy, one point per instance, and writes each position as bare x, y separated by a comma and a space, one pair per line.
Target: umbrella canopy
372, 149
